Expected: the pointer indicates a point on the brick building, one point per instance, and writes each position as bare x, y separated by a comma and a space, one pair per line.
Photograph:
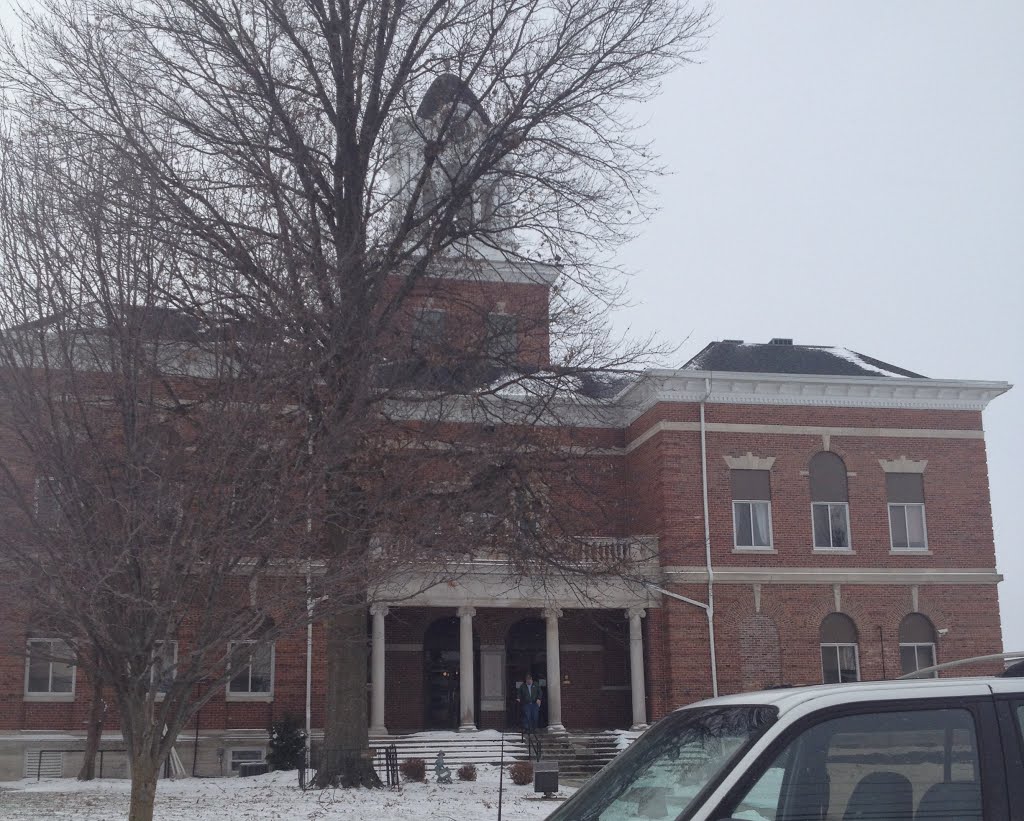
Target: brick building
796, 513
839, 507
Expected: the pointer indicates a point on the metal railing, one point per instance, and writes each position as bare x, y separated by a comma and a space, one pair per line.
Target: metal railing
534, 745
39, 759
384, 761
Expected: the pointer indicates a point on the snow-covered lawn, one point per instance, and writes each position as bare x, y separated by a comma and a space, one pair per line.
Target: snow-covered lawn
270, 797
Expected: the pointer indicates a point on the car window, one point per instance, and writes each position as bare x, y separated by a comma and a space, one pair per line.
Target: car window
1020, 719
670, 766
919, 765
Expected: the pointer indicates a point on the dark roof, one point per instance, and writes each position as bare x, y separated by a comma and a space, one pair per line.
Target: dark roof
449, 88
154, 321
782, 356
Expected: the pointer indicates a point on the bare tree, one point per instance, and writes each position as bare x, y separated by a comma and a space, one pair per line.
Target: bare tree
139, 507
331, 170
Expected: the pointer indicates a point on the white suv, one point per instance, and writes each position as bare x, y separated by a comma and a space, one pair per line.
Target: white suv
918, 750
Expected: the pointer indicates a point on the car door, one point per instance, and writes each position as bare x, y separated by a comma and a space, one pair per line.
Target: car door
934, 759
1009, 696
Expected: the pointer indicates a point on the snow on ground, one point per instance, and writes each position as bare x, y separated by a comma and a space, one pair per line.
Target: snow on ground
624, 738
273, 797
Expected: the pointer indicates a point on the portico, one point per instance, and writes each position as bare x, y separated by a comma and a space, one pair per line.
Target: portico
458, 668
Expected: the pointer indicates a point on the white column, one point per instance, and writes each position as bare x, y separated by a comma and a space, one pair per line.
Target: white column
467, 715
554, 682
378, 611
636, 667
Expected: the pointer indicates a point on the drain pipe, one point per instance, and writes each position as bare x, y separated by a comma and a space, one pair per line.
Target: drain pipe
309, 661
710, 609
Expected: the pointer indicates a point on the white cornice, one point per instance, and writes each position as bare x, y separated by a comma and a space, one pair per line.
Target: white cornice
722, 387
714, 387
833, 575
518, 271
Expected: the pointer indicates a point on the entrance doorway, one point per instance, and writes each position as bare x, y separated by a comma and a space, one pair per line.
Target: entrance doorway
441, 697
526, 652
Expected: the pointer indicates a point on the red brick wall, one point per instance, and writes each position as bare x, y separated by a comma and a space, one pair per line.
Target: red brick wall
679, 664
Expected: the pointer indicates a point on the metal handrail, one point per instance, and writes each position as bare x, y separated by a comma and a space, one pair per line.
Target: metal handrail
533, 744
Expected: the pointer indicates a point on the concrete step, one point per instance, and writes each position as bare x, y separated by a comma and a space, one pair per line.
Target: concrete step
579, 755
458, 748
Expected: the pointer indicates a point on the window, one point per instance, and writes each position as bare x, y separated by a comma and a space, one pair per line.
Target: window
47, 502
501, 343
830, 508
255, 670
839, 657
905, 492
917, 645
165, 663
898, 766
50, 669
427, 329
247, 755
663, 774
751, 509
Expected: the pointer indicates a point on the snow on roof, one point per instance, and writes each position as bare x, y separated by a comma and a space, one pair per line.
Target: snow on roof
787, 358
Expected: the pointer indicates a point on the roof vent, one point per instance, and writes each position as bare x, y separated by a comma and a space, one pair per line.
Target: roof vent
780, 341
733, 341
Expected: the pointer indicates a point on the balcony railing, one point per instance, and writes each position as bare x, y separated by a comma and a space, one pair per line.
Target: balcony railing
591, 551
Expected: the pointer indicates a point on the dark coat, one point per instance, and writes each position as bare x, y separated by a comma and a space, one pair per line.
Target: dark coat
526, 696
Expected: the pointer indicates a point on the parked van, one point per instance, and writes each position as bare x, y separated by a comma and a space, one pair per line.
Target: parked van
917, 750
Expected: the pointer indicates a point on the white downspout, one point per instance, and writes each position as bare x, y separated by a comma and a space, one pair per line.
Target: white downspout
309, 662
710, 609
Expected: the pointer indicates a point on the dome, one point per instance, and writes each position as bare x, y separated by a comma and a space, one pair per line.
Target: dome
449, 88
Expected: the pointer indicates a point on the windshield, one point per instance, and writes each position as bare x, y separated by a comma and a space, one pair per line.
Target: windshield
669, 766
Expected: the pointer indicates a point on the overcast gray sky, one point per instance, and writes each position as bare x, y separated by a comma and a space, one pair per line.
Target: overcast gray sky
852, 173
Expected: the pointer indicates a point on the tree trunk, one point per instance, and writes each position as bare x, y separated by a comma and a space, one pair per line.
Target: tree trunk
144, 778
97, 712
344, 759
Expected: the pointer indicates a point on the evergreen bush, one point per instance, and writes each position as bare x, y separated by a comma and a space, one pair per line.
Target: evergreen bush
287, 744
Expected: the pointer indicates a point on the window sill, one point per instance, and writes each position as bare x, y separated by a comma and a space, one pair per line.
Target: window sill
259, 698
762, 550
829, 551
903, 552
52, 698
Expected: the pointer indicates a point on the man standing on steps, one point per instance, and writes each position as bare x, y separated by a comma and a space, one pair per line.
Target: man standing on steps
529, 697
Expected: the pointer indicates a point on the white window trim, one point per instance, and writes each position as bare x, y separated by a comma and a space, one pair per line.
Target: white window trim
159, 696
231, 754
745, 548
837, 644
39, 696
244, 696
915, 645
924, 527
849, 530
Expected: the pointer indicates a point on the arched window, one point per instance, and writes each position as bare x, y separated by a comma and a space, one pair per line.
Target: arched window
917, 644
830, 508
839, 658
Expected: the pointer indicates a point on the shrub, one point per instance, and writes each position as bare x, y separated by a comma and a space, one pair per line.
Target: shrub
287, 744
415, 769
467, 772
521, 773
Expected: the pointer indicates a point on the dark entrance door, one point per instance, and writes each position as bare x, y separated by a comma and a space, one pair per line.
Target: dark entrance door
526, 652
441, 675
